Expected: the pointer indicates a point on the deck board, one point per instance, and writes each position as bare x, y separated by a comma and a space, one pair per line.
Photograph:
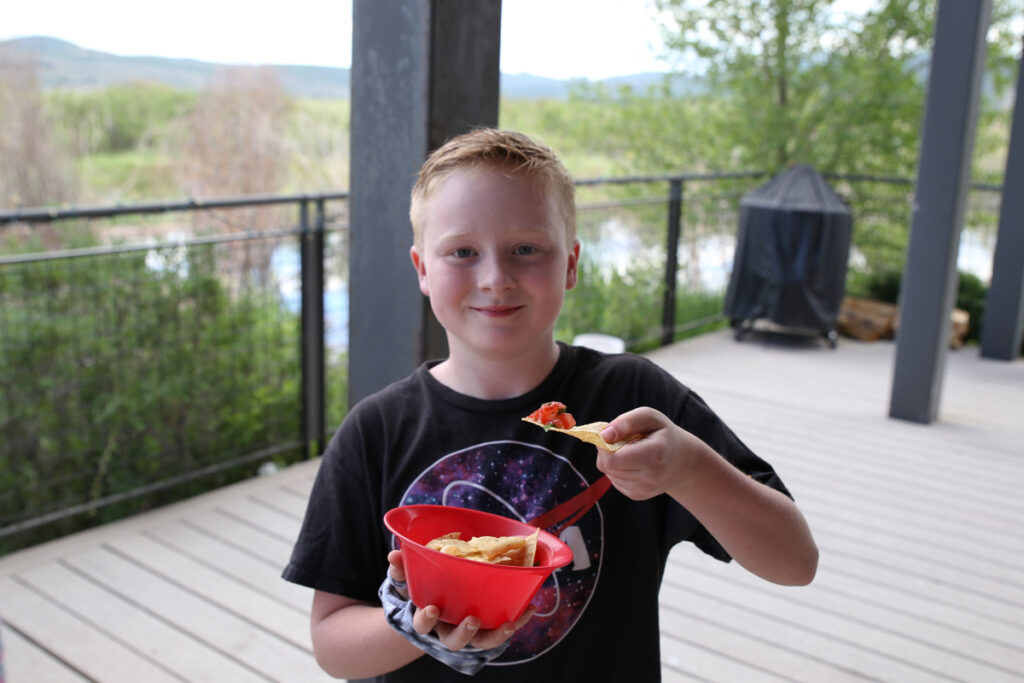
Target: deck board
244, 567
922, 560
82, 643
25, 661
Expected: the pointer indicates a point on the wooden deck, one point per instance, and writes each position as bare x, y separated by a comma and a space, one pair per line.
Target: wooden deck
922, 555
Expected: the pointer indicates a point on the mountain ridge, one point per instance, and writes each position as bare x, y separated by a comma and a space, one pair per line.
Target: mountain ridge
63, 64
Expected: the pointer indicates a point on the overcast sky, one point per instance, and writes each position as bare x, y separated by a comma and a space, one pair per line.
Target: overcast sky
555, 38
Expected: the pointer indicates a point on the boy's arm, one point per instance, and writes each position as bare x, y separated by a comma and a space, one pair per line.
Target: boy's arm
352, 639
761, 528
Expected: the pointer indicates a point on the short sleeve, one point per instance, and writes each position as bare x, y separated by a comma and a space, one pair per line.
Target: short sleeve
341, 548
704, 423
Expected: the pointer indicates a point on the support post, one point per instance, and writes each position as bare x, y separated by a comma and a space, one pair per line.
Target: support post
1003, 328
929, 282
422, 71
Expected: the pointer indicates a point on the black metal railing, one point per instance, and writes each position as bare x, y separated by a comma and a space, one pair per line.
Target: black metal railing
134, 374
139, 372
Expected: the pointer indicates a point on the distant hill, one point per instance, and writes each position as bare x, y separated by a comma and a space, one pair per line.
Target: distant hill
65, 65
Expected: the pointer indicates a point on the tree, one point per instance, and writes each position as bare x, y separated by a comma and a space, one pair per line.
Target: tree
34, 169
235, 143
771, 82
236, 146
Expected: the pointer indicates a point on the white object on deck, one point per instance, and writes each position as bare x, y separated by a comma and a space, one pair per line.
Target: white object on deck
605, 343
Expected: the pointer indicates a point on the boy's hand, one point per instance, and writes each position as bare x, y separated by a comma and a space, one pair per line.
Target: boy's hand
454, 637
662, 461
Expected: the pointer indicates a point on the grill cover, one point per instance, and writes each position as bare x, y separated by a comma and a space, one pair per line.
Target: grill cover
791, 253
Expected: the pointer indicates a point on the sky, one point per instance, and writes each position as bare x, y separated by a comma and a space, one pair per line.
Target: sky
560, 39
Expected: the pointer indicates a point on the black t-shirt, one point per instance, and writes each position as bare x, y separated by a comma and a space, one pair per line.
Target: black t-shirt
417, 441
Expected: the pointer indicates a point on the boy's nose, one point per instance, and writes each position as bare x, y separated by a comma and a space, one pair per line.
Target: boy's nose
496, 275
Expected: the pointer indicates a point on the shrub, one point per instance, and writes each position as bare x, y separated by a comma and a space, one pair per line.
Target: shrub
121, 371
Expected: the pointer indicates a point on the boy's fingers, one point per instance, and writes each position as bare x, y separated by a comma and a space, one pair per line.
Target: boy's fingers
488, 639
630, 423
397, 568
527, 615
617, 463
452, 637
458, 637
425, 620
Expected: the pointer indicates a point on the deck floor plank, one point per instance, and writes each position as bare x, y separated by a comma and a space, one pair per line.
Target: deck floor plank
133, 625
264, 517
25, 661
246, 567
237, 532
288, 500
223, 590
922, 559
901, 645
261, 652
82, 642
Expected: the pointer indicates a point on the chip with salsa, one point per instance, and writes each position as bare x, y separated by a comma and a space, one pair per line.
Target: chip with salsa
554, 416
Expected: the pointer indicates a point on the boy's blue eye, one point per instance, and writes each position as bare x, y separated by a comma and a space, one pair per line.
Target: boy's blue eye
525, 250
463, 252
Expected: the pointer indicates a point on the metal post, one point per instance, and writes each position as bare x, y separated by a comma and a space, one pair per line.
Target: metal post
422, 71
675, 213
312, 264
947, 140
1004, 310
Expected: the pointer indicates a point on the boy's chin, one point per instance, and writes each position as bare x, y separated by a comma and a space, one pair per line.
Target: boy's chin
504, 347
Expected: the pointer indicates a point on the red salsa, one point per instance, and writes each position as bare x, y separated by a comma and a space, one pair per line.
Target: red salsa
553, 414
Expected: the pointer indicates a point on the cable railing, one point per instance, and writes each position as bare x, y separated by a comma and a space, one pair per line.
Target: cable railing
136, 373
152, 351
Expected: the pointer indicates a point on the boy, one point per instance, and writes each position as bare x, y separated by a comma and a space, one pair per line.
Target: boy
495, 250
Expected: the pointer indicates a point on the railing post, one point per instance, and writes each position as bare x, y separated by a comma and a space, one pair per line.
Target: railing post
675, 213
312, 260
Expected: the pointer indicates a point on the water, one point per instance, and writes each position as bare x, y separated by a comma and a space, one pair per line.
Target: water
619, 249
286, 266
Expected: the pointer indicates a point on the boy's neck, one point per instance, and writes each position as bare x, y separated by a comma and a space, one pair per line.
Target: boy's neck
496, 377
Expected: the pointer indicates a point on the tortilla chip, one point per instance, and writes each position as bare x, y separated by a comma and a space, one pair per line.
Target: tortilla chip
530, 549
591, 433
515, 551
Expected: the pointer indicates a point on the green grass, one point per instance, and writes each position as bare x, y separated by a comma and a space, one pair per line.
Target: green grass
131, 176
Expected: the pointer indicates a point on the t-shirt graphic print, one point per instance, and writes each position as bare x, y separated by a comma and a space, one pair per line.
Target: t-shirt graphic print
525, 481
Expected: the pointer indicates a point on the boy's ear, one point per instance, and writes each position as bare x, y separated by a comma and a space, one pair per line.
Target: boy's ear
421, 269
572, 272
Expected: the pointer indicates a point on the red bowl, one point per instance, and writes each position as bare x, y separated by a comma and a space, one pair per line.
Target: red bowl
496, 594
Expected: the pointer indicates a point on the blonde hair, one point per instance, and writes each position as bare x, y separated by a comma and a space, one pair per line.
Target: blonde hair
498, 149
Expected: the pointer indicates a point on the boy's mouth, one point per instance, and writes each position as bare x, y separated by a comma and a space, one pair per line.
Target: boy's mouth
497, 311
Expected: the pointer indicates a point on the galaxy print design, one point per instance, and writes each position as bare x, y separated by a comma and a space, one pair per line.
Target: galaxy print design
523, 481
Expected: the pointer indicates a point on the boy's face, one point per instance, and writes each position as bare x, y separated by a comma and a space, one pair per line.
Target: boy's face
495, 262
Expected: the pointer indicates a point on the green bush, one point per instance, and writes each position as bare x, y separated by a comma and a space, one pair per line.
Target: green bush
611, 302
120, 118
971, 296
121, 371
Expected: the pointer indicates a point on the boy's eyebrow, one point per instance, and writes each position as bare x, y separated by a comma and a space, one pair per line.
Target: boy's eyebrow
463, 234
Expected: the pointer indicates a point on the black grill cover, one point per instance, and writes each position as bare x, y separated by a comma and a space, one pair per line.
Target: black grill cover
791, 253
